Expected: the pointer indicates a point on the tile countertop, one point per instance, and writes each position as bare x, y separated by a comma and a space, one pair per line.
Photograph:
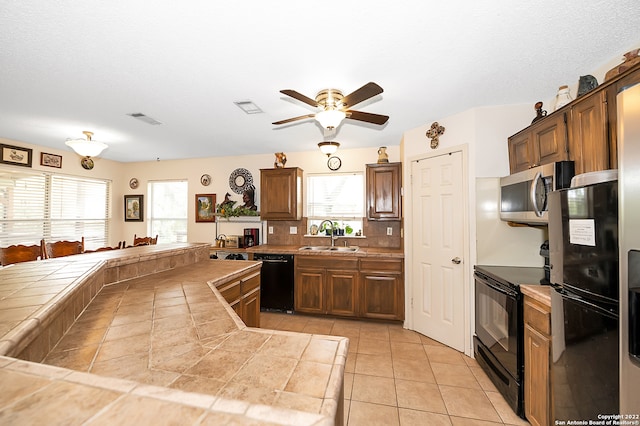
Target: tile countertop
34, 392
295, 250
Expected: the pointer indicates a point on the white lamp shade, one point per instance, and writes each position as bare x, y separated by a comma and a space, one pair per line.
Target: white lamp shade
330, 118
328, 148
86, 148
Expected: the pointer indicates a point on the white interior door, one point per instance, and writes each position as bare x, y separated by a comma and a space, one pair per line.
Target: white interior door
437, 249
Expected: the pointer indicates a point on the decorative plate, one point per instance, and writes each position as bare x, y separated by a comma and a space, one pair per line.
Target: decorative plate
133, 183
87, 163
205, 180
240, 180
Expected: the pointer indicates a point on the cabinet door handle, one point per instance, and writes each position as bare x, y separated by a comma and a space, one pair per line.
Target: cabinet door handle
456, 260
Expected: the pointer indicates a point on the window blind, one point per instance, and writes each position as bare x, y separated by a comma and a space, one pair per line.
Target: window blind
335, 196
34, 206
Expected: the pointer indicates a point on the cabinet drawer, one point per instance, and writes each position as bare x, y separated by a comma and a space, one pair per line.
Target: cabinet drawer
231, 292
326, 262
250, 283
537, 316
383, 265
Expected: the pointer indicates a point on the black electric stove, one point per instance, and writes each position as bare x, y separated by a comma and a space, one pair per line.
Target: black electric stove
499, 340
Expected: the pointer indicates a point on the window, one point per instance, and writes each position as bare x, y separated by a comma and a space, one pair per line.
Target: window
167, 211
54, 207
338, 197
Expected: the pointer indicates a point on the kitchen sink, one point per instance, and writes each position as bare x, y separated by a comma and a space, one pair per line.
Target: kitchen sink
347, 249
327, 248
314, 248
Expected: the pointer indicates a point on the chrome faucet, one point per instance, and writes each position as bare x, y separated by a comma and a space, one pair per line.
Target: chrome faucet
333, 237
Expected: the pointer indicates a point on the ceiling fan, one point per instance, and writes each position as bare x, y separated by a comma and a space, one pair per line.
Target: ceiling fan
336, 107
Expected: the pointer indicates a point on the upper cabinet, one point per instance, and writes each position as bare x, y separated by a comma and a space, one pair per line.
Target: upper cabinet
384, 186
281, 194
583, 131
543, 142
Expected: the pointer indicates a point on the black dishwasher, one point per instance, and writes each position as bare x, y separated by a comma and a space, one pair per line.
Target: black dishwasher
276, 282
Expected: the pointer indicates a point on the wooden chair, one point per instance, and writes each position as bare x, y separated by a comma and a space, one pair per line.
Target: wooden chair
20, 253
106, 248
63, 248
144, 241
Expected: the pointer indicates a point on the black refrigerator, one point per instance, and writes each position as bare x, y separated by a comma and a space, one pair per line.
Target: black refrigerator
583, 251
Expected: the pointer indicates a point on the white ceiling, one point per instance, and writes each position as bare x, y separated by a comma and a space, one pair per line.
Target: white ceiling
73, 65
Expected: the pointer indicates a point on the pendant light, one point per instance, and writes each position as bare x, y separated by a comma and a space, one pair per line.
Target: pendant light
328, 148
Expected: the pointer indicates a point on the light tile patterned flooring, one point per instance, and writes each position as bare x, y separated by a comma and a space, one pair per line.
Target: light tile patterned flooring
399, 377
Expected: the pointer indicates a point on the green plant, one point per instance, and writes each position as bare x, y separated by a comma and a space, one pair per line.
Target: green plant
348, 229
228, 209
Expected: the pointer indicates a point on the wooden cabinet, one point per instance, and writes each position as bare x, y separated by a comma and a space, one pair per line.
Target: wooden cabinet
281, 194
384, 186
342, 291
350, 287
243, 295
543, 142
537, 355
588, 141
309, 287
584, 131
382, 289
326, 285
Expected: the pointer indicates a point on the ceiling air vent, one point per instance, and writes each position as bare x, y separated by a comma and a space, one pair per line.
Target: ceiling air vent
140, 116
248, 106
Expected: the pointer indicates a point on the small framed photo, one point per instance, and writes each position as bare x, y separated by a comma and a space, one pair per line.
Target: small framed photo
51, 160
15, 155
205, 207
134, 208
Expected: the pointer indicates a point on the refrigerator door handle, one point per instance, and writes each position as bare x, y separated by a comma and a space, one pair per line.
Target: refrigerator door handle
585, 303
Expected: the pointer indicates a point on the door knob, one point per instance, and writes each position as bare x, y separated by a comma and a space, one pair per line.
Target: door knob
456, 260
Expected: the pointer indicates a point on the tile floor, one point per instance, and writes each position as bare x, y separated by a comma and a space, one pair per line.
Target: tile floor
399, 377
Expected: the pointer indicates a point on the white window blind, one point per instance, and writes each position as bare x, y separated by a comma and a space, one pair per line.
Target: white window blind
34, 206
167, 210
335, 196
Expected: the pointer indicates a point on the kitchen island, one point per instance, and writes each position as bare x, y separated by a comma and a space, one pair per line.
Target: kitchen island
163, 346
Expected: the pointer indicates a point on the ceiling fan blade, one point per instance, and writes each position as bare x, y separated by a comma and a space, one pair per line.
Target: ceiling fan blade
300, 97
367, 91
289, 120
367, 116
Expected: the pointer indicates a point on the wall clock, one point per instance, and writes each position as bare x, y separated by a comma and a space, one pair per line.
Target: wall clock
334, 163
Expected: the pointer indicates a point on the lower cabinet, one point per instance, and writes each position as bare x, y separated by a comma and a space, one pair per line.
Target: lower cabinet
382, 289
355, 287
537, 355
243, 295
326, 285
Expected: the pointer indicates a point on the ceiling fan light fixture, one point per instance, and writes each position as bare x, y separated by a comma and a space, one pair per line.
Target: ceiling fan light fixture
328, 148
86, 147
330, 118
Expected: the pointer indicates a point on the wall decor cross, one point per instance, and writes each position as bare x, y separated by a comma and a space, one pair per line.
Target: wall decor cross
434, 133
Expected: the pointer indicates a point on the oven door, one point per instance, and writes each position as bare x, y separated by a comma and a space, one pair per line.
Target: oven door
497, 320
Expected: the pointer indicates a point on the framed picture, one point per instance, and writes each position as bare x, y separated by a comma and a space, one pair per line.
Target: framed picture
205, 207
16, 155
51, 160
134, 208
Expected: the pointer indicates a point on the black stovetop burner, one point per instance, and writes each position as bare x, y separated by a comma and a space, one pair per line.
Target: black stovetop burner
514, 276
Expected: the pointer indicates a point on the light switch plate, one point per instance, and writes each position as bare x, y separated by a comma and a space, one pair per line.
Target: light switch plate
293, 229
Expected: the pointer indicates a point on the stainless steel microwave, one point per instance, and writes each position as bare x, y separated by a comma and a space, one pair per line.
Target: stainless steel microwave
523, 195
